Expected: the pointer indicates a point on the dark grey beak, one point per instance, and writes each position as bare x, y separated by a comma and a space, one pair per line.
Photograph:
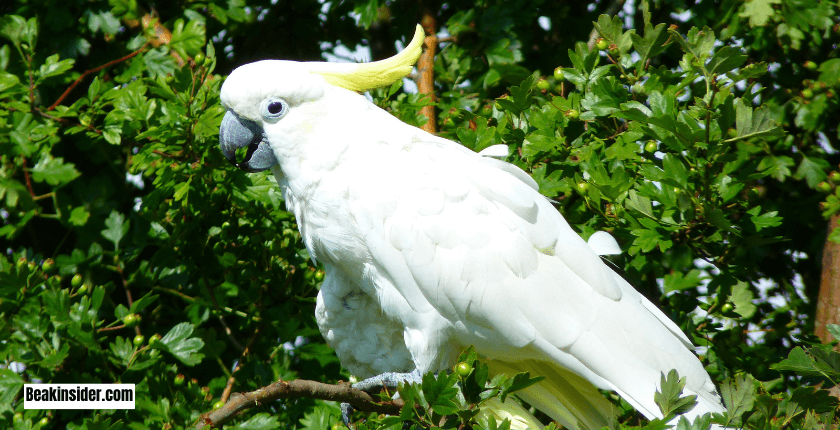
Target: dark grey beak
236, 133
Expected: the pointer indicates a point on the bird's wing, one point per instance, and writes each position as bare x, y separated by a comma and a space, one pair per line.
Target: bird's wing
469, 240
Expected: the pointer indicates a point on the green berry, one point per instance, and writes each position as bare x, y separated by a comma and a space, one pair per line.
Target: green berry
138, 340
638, 88
543, 84
614, 51
83, 289
179, 380
76, 281
727, 308
810, 65
154, 339
319, 275
824, 187
582, 186
807, 94
572, 113
463, 369
650, 146
199, 59
44, 421
558, 74
601, 44
131, 320
21, 263
834, 177
18, 417
48, 265
218, 405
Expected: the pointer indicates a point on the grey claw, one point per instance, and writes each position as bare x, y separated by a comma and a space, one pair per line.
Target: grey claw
346, 411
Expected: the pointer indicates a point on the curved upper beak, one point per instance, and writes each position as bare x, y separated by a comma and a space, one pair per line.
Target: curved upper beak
236, 133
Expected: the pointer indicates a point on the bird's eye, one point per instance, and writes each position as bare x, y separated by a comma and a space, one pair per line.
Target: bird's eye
273, 108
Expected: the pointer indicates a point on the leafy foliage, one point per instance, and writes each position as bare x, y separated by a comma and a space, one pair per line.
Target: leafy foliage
705, 145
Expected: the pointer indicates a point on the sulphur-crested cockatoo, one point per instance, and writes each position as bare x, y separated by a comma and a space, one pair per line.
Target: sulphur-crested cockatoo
429, 248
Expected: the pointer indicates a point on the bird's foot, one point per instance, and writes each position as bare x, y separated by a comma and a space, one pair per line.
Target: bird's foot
384, 380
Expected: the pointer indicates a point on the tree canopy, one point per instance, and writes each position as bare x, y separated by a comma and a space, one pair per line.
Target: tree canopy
702, 135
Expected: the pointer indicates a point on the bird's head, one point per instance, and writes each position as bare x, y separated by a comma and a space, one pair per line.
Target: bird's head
258, 96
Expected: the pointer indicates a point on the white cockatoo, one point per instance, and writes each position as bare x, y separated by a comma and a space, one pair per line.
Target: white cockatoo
429, 248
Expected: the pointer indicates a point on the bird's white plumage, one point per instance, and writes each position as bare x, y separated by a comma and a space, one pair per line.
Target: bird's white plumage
429, 248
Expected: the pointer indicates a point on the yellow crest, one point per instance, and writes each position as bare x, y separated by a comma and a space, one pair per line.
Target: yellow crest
366, 76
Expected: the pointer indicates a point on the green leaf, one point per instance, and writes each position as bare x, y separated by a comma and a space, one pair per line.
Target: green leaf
520, 381
677, 281
765, 220
54, 171
178, 343
813, 170
141, 303
93, 89
669, 398
834, 329
776, 167
117, 227
640, 203
742, 298
10, 384
323, 416
738, 396
104, 21
187, 40
759, 11
79, 216
646, 239
675, 170
18, 29
698, 42
800, 362
8, 80
53, 67
726, 59
182, 190
263, 421
652, 43
751, 124
819, 401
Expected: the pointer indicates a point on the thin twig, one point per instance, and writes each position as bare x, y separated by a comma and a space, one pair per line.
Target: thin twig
229, 387
85, 74
228, 331
27, 177
341, 392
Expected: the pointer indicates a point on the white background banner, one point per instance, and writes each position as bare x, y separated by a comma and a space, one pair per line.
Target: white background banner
78, 396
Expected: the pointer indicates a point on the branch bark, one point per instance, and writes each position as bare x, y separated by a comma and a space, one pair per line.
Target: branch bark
341, 392
426, 69
828, 302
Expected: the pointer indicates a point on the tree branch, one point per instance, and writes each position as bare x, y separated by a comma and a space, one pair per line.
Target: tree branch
91, 71
828, 303
426, 70
341, 392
